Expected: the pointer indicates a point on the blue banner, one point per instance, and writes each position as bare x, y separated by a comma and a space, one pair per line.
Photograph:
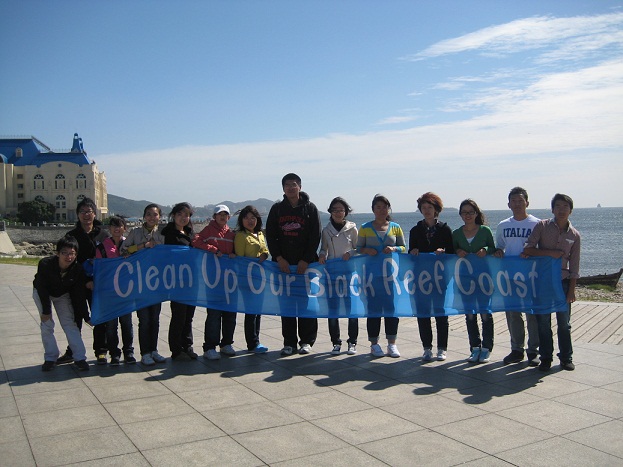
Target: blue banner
365, 286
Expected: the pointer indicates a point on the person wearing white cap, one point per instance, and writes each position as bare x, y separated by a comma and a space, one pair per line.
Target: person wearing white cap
218, 238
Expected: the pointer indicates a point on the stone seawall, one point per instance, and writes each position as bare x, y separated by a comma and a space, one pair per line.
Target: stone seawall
35, 235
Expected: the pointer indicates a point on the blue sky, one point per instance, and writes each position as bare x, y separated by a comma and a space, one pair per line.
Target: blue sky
205, 101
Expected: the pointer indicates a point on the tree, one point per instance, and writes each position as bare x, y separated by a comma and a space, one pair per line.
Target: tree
32, 212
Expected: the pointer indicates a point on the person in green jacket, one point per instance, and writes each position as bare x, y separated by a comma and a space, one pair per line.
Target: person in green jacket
474, 237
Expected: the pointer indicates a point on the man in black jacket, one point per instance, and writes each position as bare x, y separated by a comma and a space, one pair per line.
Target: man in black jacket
293, 235
60, 280
88, 232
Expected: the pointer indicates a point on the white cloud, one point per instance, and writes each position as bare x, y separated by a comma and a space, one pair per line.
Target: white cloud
574, 36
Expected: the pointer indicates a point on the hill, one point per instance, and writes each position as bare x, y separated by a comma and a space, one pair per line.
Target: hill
131, 208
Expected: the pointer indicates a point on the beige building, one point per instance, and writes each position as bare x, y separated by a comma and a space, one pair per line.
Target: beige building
29, 170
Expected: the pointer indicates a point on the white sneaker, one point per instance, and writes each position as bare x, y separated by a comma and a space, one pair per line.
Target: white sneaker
428, 355
147, 360
228, 350
211, 354
441, 355
157, 357
352, 349
305, 349
392, 351
475, 355
376, 350
484, 355
337, 348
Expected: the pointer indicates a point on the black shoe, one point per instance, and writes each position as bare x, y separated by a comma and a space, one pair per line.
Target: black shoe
101, 358
129, 359
514, 357
533, 359
569, 366
115, 360
67, 357
191, 353
180, 357
48, 365
545, 365
81, 365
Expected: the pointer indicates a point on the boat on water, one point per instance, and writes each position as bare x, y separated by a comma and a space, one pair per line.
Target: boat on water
601, 279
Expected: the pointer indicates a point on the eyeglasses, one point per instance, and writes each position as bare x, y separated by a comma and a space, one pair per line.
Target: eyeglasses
468, 213
84, 213
68, 254
337, 211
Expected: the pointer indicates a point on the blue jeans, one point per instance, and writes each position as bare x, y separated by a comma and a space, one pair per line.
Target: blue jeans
148, 328
473, 332
127, 335
546, 338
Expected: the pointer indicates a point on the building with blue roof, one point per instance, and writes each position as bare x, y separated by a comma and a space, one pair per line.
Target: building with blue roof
30, 170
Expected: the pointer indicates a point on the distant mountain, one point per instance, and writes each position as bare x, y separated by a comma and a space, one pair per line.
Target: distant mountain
131, 208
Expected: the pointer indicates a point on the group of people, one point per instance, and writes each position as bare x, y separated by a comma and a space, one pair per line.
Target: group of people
294, 236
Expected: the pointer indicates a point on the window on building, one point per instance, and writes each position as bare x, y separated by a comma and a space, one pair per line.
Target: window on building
61, 202
39, 182
20, 176
20, 186
80, 198
59, 182
40, 198
20, 196
81, 182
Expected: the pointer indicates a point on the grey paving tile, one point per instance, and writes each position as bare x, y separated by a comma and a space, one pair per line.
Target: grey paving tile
365, 426
136, 389
324, 404
617, 387
17, 453
55, 400
70, 420
134, 459
196, 382
381, 393
147, 408
554, 417
251, 417
8, 407
202, 453
288, 442
492, 433
491, 397
591, 374
61, 379
202, 400
169, 431
12, 430
345, 456
296, 385
605, 437
545, 386
433, 410
598, 400
558, 452
79, 447
421, 448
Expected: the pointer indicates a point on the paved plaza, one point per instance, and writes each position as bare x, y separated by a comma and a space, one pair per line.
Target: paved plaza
316, 409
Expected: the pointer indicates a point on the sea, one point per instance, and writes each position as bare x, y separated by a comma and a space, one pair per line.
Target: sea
601, 230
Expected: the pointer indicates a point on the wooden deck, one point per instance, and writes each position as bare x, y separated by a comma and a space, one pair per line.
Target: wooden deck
591, 322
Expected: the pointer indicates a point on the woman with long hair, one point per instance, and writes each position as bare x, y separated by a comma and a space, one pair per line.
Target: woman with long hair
474, 237
381, 236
